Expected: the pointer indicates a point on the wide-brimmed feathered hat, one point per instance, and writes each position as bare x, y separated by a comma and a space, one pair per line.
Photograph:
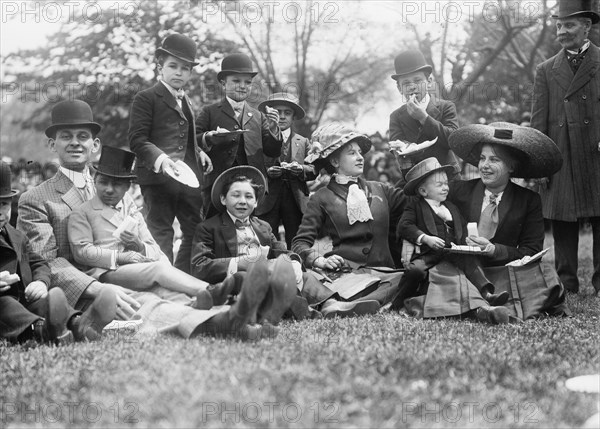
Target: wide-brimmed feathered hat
248, 171
538, 154
327, 139
421, 171
286, 99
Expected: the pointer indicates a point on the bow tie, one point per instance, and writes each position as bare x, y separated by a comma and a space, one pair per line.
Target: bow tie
179, 95
242, 224
344, 180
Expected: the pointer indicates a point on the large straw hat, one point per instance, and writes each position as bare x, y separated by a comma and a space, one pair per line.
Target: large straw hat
421, 171
331, 137
286, 99
539, 155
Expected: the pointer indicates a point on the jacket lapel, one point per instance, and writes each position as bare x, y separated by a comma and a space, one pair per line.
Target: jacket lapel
505, 203
161, 90
477, 200
227, 109
587, 70
263, 236
248, 114
107, 212
229, 233
428, 217
458, 229
433, 109
69, 193
14, 242
563, 75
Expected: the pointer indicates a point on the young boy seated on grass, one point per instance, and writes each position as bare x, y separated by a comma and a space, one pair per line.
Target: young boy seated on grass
109, 237
434, 223
28, 310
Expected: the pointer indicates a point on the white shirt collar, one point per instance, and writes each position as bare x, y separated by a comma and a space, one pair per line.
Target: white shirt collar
286, 134
584, 48
233, 218
78, 178
172, 90
235, 104
433, 203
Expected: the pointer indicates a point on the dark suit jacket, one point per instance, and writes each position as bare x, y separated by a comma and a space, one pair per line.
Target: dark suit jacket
442, 120
566, 107
299, 147
363, 243
520, 222
30, 266
258, 141
215, 244
157, 125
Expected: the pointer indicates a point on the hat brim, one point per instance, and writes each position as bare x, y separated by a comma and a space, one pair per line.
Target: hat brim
224, 73
428, 69
595, 17
51, 130
299, 112
540, 155
322, 161
412, 185
12, 193
176, 55
252, 173
130, 176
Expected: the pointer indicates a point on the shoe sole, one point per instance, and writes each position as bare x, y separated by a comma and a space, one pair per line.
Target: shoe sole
254, 290
102, 311
361, 308
282, 283
58, 315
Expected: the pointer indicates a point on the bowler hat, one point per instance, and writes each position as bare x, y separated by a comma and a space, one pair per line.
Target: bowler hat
538, 154
236, 64
422, 171
328, 138
286, 99
576, 8
5, 182
71, 114
179, 46
248, 171
115, 162
409, 62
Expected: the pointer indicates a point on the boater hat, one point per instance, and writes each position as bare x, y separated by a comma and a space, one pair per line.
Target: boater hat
538, 154
327, 139
250, 172
409, 62
179, 46
5, 182
422, 171
236, 64
286, 99
115, 162
576, 8
71, 114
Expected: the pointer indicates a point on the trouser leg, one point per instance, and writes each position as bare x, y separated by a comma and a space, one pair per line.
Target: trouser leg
566, 246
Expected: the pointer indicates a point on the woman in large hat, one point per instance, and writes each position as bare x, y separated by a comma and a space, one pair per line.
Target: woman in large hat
357, 214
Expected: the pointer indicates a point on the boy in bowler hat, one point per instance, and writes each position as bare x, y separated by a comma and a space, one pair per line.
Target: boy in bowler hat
28, 308
162, 131
108, 236
252, 135
433, 223
287, 175
422, 117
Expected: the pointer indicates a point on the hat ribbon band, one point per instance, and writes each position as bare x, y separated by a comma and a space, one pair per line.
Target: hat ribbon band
503, 134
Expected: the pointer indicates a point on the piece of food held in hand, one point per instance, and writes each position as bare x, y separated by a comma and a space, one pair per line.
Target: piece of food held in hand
403, 148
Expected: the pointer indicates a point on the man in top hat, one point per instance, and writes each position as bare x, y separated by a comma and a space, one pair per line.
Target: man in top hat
566, 108
248, 134
162, 131
287, 174
422, 117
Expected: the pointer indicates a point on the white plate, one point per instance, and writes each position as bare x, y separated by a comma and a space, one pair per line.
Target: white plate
463, 249
584, 383
413, 147
186, 175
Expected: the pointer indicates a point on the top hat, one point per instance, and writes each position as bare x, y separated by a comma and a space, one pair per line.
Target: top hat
117, 163
538, 154
284, 98
236, 64
409, 62
5, 181
71, 114
179, 46
331, 137
576, 8
248, 171
422, 171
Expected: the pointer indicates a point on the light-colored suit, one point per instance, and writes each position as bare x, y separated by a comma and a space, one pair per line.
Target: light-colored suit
91, 226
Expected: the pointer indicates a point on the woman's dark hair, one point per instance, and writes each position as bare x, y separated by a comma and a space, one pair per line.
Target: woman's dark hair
513, 158
240, 178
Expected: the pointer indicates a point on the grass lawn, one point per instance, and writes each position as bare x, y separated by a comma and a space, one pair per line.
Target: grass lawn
386, 370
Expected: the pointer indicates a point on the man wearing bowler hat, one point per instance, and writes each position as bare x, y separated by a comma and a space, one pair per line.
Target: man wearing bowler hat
231, 131
162, 131
422, 117
287, 174
566, 108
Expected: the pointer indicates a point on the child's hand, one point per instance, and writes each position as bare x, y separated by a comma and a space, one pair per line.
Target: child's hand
124, 258
272, 117
484, 244
332, 262
169, 165
274, 171
36, 290
416, 112
206, 162
433, 242
131, 241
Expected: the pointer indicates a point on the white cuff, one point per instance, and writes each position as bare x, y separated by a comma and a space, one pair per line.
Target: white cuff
420, 240
113, 260
232, 268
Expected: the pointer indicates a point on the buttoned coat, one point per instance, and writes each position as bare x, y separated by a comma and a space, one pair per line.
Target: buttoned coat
43, 217
158, 125
520, 229
363, 243
441, 121
566, 107
215, 244
300, 147
258, 140
91, 226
